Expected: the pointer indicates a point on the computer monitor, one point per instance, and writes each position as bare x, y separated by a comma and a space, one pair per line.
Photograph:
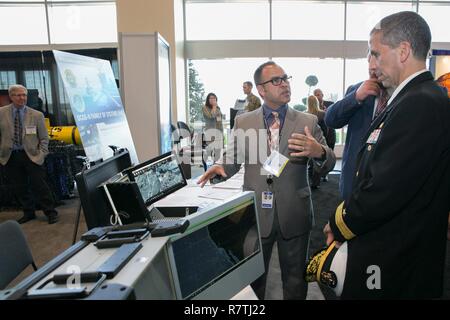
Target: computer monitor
95, 205
158, 177
221, 255
127, 201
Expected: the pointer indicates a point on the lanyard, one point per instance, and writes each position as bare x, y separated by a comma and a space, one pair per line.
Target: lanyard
269, 179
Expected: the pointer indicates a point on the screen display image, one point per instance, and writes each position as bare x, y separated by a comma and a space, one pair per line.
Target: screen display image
440, 67
158, 177
206, 255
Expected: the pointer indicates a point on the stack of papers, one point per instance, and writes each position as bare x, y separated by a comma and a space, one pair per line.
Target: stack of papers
219, 194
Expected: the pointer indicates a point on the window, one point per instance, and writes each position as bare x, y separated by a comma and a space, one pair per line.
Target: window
225, 21
329, 73
362, 17
23, 24
356, 70
69, 21
308, 20
7, 78
80, 23
437, 18
224, 77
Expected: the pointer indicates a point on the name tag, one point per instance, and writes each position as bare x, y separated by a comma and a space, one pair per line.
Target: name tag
373, 138
267, 200
30, 130
275, 163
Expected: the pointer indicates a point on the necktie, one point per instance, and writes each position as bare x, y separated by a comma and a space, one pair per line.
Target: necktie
17, 130
382, 102
274, 137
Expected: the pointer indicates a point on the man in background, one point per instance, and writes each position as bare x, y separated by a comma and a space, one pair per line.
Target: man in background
323, 104
361, 104
252, 102
23, 148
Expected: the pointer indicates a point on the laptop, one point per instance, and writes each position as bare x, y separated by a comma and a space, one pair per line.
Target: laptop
144, 184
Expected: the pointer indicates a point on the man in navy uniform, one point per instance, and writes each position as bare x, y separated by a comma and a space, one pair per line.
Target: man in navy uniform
395, 220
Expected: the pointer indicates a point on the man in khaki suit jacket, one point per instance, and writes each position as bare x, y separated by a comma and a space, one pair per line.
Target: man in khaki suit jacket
288, 221
23, 154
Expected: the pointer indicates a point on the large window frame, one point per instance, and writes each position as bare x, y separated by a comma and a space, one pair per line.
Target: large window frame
50, 45
270, 48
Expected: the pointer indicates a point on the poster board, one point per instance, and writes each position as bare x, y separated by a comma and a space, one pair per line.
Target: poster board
96, 105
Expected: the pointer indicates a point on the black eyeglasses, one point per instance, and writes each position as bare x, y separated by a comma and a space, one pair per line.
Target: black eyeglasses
277, 80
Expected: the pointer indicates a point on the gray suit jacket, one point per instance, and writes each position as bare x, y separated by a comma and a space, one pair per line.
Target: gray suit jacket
35, 145
291, 190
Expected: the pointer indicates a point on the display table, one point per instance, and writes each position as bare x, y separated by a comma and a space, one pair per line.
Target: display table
216, 257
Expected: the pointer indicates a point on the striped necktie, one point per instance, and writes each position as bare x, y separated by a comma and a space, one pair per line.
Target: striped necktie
274, 138
17, 130
382, 103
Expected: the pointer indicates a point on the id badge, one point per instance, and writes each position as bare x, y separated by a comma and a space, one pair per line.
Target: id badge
30, 130
267, 200
275, 163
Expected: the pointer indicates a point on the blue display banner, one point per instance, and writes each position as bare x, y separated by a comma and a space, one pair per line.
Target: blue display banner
96, 105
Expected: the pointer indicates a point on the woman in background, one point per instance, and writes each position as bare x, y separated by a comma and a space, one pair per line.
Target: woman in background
213, 128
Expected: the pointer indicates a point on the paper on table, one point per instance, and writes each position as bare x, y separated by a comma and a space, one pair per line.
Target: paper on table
229, 184
183, 198
219, 194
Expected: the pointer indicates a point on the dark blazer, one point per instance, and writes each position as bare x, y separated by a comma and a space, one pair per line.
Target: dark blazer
357, 118
396, 216
291, 190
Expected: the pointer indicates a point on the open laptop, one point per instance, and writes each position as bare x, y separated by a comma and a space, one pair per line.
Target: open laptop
141, 186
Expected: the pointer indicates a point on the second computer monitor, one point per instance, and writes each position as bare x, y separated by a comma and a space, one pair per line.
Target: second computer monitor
157, 177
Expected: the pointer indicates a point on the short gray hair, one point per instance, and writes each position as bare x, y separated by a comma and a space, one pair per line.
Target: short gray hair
13, 88
405, 26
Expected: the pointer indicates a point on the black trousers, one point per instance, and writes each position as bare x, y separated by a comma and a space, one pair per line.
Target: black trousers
292, 254
22, 173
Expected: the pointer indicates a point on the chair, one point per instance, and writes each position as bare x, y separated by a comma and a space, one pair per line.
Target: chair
15, 255
175, 134
185, 129
183, 137
197, 143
